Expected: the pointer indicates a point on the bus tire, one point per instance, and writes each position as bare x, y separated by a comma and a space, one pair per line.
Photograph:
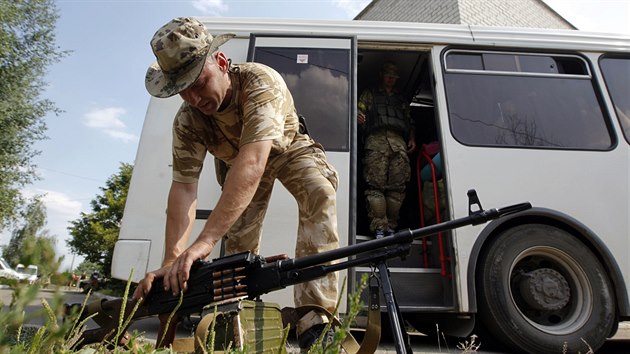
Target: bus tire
541, 290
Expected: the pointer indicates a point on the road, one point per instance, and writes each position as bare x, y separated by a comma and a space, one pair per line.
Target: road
420, 343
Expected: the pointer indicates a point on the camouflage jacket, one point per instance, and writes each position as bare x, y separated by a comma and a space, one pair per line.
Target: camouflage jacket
261, 108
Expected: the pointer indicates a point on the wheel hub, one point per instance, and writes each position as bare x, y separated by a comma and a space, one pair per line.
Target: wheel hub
545, 289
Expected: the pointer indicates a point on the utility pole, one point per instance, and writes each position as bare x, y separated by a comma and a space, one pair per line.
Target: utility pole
72, 264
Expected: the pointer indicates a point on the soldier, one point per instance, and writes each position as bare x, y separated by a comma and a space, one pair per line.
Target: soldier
244, 115
389, 137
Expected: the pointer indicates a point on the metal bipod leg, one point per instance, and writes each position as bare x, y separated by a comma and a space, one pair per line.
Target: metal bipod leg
401, 339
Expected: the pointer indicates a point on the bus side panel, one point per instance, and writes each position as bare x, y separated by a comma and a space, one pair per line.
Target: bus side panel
590, 186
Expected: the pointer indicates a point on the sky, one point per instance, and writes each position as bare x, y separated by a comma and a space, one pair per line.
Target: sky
100, 84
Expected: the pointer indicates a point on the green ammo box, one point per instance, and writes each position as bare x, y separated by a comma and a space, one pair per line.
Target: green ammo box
252, 326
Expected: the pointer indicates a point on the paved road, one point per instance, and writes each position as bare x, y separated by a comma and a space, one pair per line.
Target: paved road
420, 343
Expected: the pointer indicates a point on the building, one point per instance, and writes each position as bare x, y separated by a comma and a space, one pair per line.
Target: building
510, 13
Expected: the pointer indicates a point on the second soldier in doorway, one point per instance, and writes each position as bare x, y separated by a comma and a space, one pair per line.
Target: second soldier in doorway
388, 132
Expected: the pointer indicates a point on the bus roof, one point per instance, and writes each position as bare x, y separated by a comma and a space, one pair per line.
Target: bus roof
425, 33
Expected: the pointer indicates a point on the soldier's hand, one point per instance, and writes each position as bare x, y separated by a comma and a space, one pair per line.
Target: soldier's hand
144, 286
361, 118
411, 146
176, 278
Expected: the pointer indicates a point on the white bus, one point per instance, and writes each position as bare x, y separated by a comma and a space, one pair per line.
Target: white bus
517, 114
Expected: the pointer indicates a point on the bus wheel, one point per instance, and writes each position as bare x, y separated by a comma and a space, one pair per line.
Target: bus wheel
541, 290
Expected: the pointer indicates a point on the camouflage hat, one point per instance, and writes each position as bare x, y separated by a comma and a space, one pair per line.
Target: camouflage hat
389, 69
181, 47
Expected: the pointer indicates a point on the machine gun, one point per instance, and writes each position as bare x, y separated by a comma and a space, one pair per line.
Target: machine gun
249, 275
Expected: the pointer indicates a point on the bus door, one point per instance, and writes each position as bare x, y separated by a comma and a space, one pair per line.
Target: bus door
319, 72
422, 281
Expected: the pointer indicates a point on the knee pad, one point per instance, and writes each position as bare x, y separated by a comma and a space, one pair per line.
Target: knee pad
376, 203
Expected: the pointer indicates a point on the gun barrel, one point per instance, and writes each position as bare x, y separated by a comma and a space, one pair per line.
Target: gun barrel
404, 236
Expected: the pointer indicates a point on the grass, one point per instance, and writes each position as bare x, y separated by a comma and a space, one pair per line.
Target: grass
471, 346
55, 336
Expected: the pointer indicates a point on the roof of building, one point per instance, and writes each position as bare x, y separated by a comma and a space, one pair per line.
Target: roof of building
512, 13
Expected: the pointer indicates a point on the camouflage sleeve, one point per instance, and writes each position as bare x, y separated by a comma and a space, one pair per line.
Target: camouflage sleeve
365, 101
264, 97
188, 150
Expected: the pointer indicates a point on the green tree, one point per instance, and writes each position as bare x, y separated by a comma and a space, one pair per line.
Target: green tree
34, 220
27, 49
31, 243
87, 268
94, 234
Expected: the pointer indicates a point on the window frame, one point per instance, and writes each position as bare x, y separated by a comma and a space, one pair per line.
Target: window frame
588, 75
317, 42
608, 91
597, 90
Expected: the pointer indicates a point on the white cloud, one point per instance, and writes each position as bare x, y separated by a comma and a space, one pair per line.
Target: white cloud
108, 120
60, 208
213, 7
61, 205
351, 7
120, 135
105, 118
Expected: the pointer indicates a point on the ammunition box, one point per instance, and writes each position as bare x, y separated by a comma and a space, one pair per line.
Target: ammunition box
252, 326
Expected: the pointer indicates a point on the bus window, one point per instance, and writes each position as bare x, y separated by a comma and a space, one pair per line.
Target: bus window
524, 100
523, 63
320, 86
617, 76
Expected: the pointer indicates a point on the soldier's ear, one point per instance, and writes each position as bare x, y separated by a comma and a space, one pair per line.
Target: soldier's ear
222, 61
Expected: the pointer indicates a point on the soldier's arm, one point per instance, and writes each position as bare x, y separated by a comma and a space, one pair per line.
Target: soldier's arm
364, 103
411, 143
239, 189
240, 186
180, 216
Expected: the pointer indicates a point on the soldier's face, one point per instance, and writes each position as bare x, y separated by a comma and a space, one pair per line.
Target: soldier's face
211, 90
389, 81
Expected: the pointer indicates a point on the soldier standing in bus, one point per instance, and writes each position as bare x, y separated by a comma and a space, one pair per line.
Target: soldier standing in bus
384, 115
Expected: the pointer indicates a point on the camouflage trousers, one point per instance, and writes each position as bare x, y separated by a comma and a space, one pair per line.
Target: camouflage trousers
386, 171
306, 174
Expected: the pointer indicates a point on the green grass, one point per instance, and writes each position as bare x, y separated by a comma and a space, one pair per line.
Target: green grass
56, 336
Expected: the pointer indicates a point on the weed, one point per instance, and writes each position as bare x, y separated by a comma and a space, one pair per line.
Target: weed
469, 346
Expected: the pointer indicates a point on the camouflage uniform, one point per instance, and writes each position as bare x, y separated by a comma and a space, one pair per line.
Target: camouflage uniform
262, 109
385, 162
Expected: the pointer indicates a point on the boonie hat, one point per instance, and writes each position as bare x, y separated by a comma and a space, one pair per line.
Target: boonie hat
181, 47
389, 69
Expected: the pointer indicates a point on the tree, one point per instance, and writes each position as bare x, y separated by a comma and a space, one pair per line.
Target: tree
87, 268
27, 49
94, 234
31, 243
